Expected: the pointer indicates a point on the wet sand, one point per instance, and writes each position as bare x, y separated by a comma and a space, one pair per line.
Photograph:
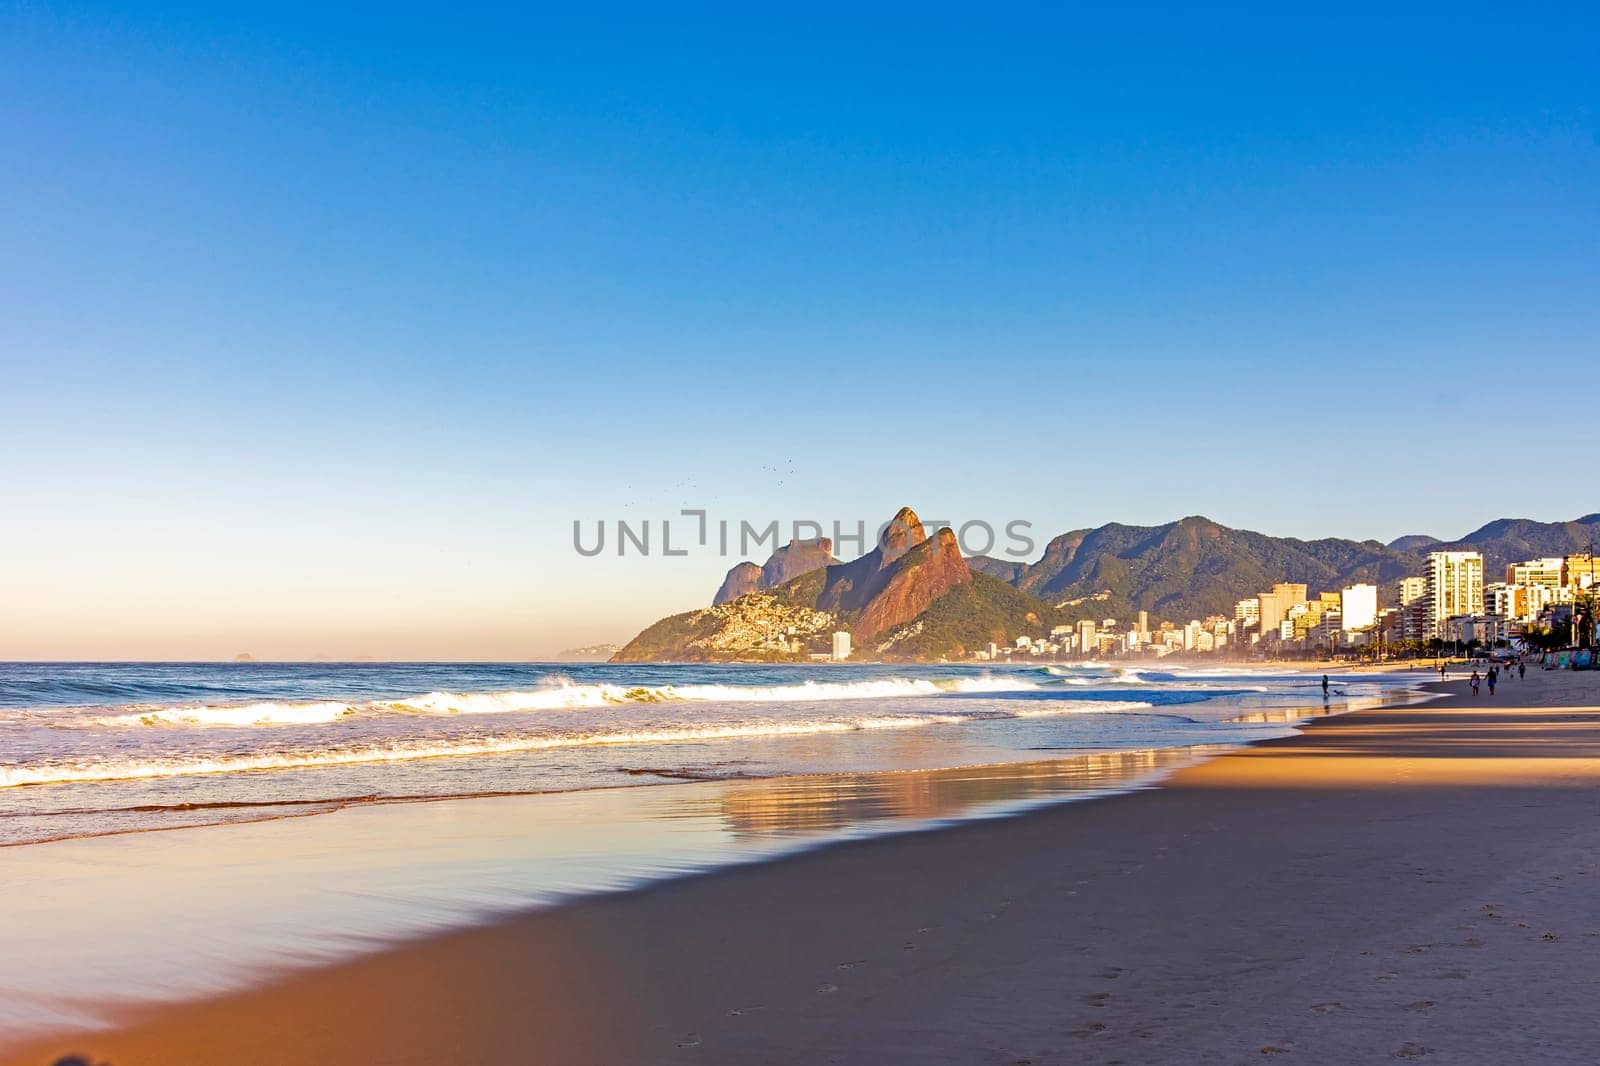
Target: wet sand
1393, 883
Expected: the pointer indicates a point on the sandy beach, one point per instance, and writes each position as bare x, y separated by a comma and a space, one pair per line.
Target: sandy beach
1392, 883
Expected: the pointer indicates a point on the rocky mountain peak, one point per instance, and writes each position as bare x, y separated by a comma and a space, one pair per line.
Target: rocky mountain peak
923, 573
903, 533
742, 579
794, 559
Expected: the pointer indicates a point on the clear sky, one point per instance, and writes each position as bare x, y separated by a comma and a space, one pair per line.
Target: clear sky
318, 329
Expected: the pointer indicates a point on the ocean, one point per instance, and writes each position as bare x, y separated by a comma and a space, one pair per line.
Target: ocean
95, 748
247, 818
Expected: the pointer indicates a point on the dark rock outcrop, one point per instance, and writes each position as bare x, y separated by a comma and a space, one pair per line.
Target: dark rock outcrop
743, 579
903, 533
920, 575
795, 559
790, 605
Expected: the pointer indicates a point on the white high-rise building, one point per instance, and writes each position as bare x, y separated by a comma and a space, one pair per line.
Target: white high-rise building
841, 646
1454, 587
1550, 572
1087, 643
1358, 604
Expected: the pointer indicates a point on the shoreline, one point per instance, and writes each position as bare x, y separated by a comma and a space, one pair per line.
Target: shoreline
640, 897
186, 809
532, 986
854, 807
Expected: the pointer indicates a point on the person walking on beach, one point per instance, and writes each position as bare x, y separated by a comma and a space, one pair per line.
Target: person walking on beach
1474, 681
1494, 675
1522, 669
1324, 687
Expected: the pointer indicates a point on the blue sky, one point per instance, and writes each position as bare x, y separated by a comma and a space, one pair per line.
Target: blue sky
318, 329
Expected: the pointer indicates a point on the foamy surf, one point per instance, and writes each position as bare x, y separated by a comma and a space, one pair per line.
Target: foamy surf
1098, 674
126, 747
248, 714
410, 749
570, 695
560, 695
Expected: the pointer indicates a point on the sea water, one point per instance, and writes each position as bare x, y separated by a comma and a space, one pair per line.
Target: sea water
97, 748
172, 830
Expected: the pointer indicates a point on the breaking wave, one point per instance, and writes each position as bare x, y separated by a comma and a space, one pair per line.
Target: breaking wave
136, 767
1099, 674
560, 695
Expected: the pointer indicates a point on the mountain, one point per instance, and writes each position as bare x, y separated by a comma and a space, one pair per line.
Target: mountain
922, 575
1415, 542
1191, 568
742, 579
969, 617
1195, 567
911, 596
996, 568
790, 561
914, 596
1512, 540
849, 587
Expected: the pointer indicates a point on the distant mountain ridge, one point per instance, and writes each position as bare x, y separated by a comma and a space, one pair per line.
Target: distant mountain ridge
1195, 567
1511, 540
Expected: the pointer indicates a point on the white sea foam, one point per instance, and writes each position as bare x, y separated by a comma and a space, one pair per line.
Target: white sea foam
135, 767
247, 714
1084, 707
570, 695
557, 696
561, 696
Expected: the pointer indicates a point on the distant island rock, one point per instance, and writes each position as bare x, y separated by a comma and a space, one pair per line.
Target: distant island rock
589, 653
244, 657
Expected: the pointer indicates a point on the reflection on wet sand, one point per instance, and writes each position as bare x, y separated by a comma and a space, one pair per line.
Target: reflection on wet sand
825, 803
207, 909
1306, 712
